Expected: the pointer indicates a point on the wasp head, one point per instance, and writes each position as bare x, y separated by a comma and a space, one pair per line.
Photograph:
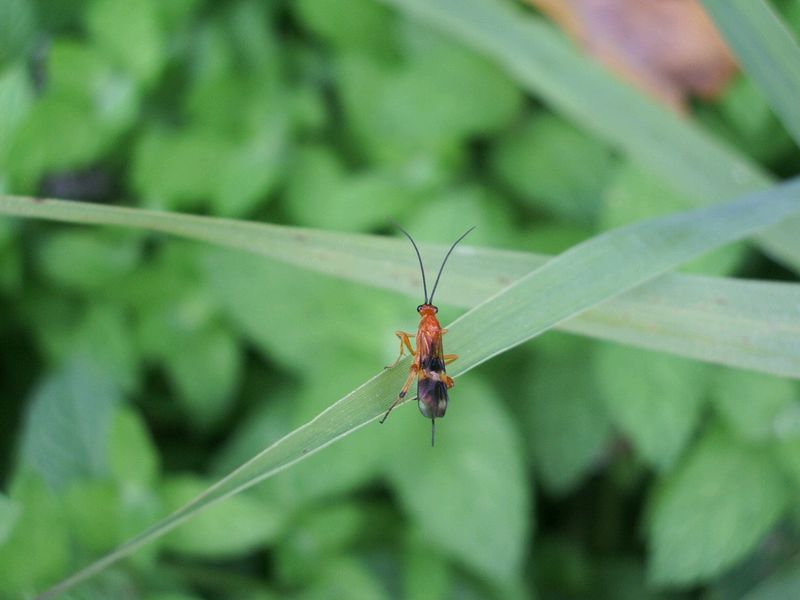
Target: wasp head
427, 309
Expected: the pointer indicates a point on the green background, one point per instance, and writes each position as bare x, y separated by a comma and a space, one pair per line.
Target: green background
136, 370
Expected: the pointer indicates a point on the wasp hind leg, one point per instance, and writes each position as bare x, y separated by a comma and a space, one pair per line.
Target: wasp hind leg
405, 342
412, 373
448, 381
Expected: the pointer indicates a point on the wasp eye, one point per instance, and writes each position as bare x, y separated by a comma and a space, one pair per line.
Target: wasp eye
419, 308
435, 309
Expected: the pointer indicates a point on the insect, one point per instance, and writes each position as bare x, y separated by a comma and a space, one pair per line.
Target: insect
429, 357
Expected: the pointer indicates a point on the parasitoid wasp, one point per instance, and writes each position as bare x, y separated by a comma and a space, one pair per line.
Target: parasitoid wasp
429, 357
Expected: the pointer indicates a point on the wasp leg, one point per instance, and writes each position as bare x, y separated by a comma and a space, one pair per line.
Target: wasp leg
404, 341
448, 358
411, 374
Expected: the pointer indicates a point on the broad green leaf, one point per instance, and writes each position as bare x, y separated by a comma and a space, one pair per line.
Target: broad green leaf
569, 284
9, 514
346, 577
746, 324
318, 537
654, 400
767, 51
551, 164
67, 427
476, 442
205, 369
743, 117
634, 195
94, 513
230, 529
362, 25
16, 97
670, 146
473, 204
85, 261
104, 336
130, 33
754, 405
17, 30
58, 133
566, 423
713, 510
41, 531
783, 585
426, 574
132, 455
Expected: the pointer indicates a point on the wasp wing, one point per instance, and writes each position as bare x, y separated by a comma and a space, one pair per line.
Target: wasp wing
431, 390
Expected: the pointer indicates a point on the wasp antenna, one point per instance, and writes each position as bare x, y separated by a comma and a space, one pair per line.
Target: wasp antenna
445, 260
419, 257
433, 432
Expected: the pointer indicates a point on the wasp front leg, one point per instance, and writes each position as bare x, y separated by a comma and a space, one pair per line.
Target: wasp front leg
405, 342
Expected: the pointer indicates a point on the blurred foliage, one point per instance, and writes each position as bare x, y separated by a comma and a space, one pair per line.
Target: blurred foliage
135, 371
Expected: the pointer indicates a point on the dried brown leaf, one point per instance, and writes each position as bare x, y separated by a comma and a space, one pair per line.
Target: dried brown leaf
669, 48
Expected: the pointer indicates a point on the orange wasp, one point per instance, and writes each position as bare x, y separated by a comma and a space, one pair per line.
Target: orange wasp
429, 357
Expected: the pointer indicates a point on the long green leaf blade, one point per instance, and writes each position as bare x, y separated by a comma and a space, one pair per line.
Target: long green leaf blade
767, 51
745, 324
545, 64
587, 275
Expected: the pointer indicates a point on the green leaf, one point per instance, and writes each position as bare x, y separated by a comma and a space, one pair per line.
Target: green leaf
767, 51
16, 97
671, 147
742, 323
94, 514
346, 577
41, 531
564, 287
566, 421
58, 133
363, 201
179, 169
9, 515
634, 195
552, 165
205, 369
783, 585
476, 442
132, 456
655, 400
129, 32
361, 25
316, 539
713, 510
426, 574
442, 69
231, 529
17, 30
252, 170
754, 405
104, 336
68, 423
87, 260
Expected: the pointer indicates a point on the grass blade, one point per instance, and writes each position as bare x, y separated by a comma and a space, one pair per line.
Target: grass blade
573, 282
743, 324
767, 51
546, 64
